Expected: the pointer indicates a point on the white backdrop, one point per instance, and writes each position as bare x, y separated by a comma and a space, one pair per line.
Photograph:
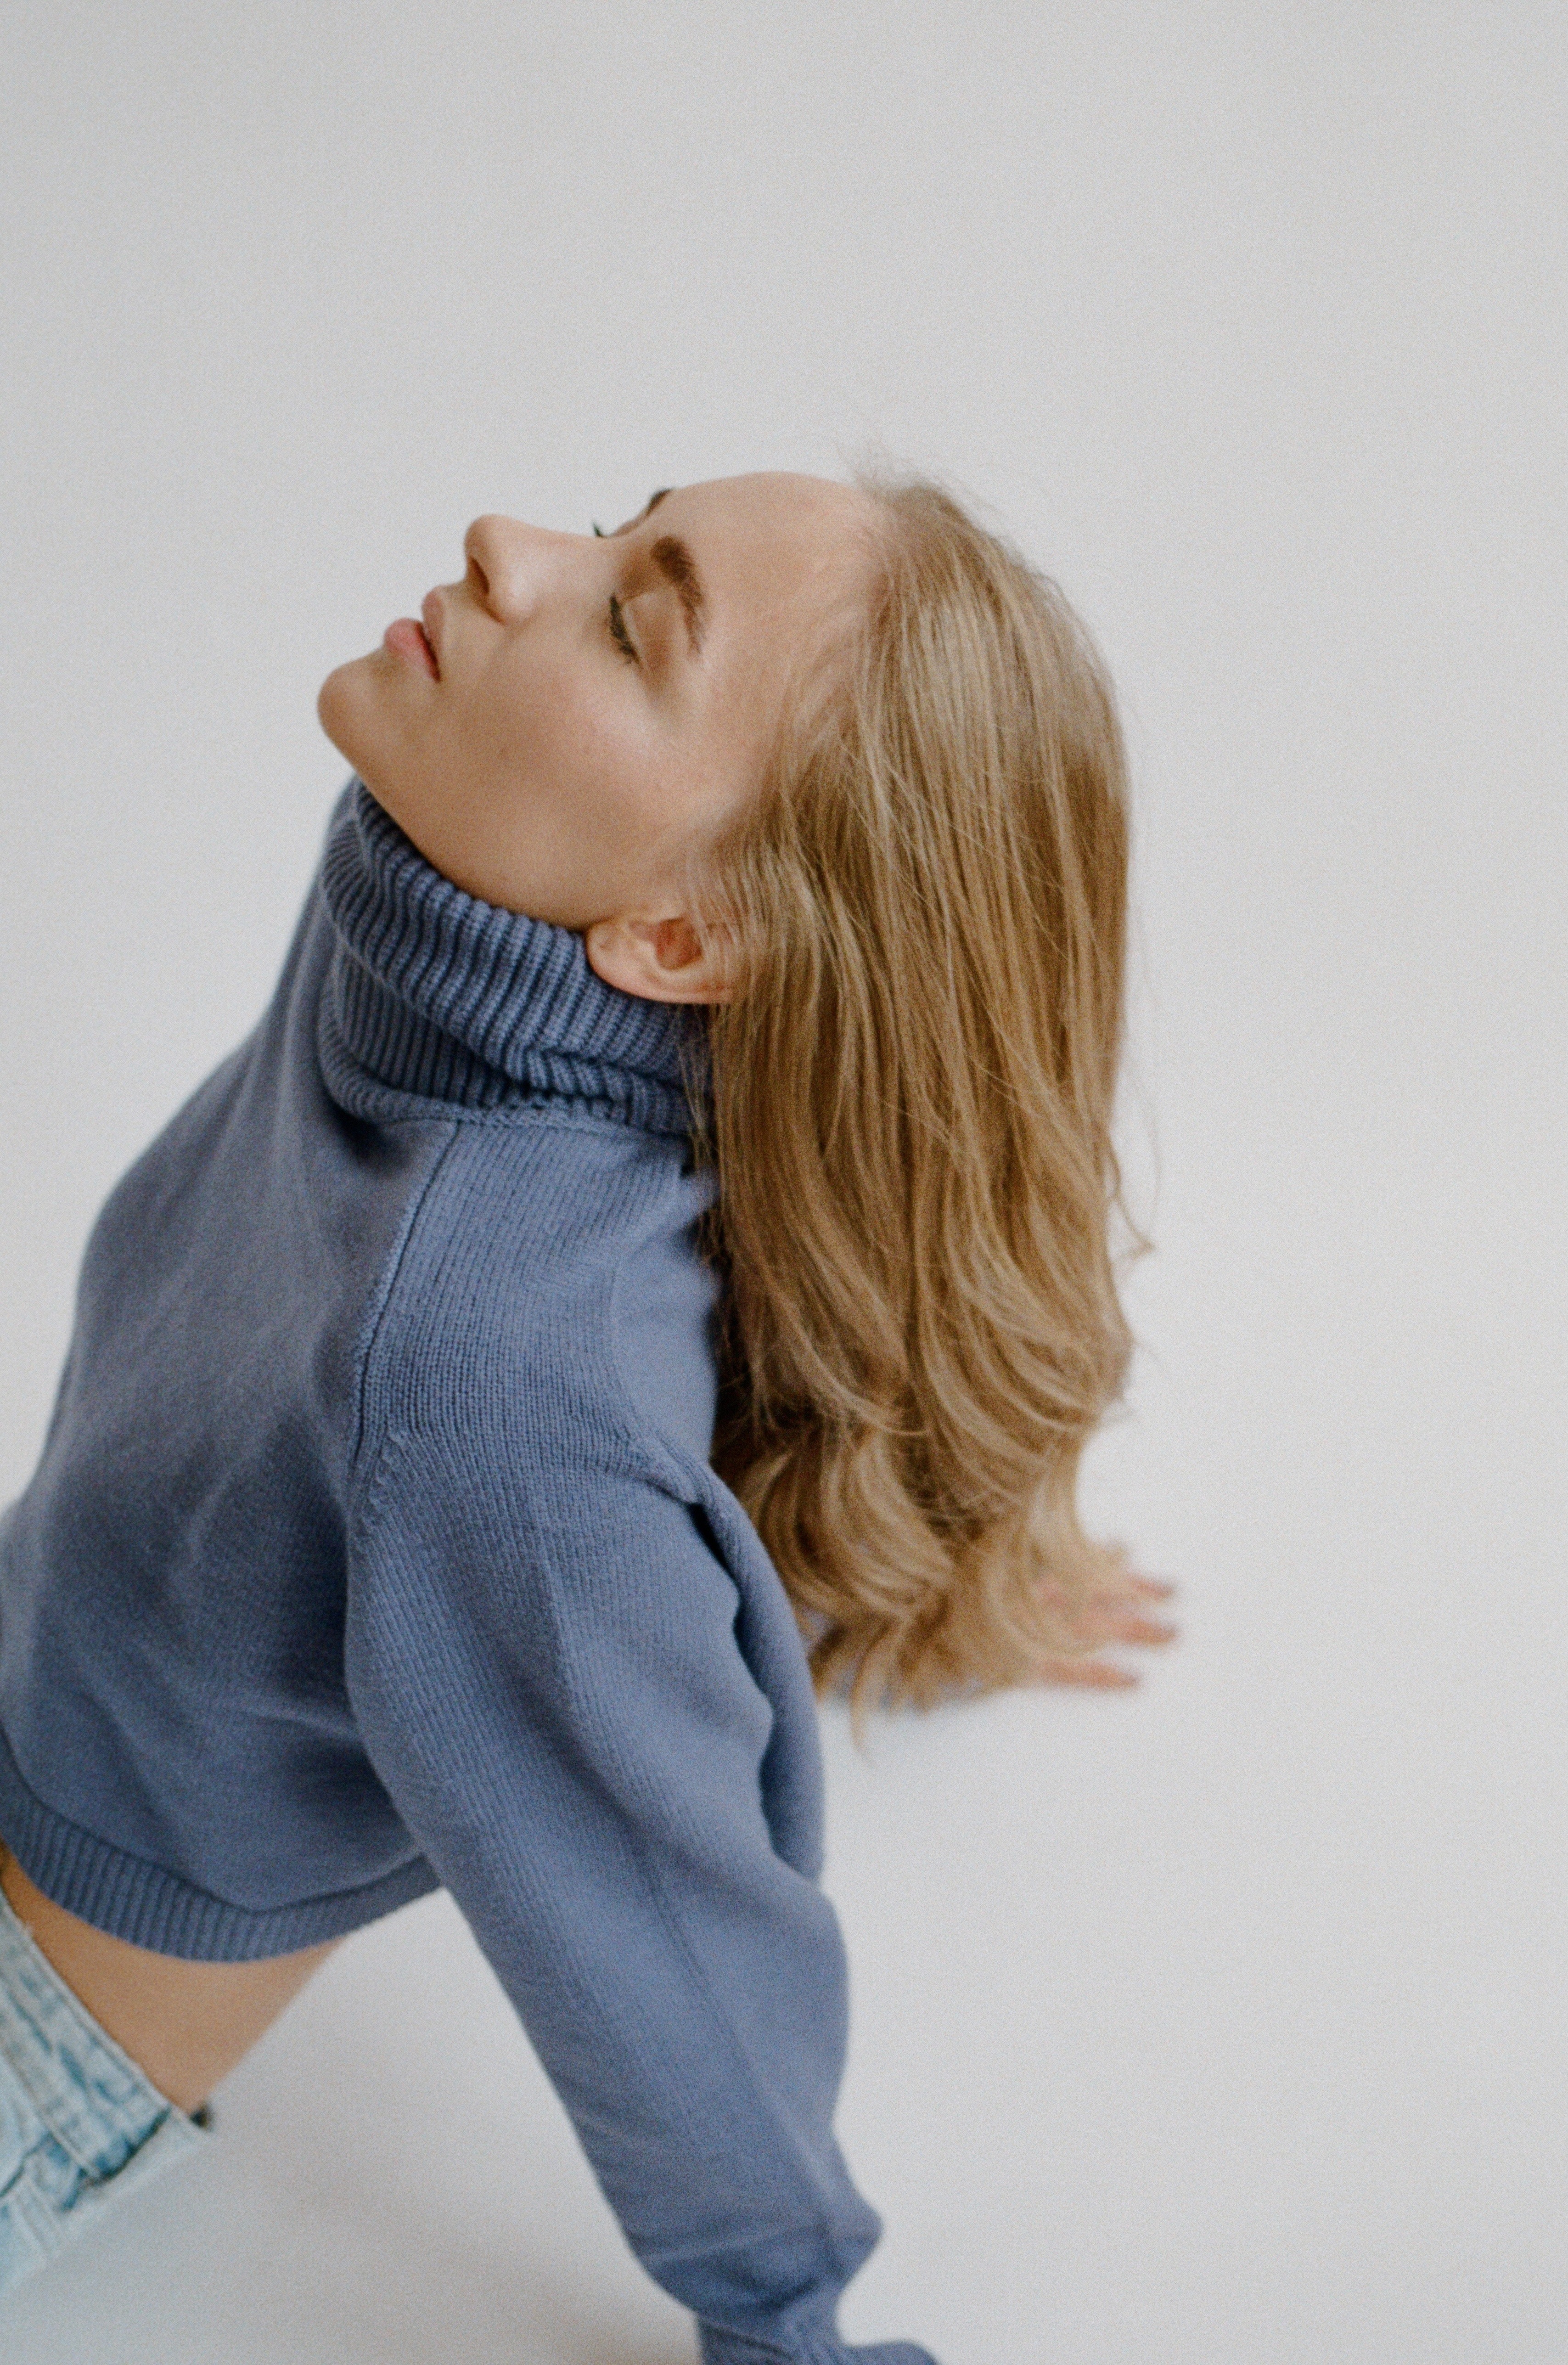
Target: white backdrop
1214, 2022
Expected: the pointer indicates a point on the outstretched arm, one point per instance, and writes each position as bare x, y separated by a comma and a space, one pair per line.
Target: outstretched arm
572, 1700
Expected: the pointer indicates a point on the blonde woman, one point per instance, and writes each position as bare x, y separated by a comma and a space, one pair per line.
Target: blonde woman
653, 1256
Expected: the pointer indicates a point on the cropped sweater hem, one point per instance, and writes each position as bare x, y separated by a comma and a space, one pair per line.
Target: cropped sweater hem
127, 1897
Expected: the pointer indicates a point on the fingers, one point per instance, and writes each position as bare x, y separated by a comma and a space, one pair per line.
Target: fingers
1126, 1626
1126, 1587
1098, 1673
1110, 1625
1107, 1624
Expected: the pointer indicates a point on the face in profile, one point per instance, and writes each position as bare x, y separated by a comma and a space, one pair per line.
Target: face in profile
574, 715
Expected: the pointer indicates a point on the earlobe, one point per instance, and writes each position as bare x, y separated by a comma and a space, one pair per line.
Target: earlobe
662, 960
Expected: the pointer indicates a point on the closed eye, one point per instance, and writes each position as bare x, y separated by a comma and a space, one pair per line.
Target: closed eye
617, 633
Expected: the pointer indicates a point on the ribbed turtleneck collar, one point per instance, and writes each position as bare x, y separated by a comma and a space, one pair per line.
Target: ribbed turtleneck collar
435, 993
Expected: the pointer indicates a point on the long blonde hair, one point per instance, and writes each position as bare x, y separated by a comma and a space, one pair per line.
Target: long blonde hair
912, 1108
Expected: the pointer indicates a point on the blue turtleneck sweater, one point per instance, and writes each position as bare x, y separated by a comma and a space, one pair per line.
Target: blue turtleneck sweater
373, 1548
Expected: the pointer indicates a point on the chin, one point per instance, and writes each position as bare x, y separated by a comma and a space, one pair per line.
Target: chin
346, 710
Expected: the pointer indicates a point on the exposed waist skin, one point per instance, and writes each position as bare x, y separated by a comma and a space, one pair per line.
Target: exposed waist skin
184, 2024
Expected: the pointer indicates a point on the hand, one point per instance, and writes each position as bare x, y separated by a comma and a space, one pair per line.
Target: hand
1114, 1618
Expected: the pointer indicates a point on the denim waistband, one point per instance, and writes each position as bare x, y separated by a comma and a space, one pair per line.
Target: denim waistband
93, 2098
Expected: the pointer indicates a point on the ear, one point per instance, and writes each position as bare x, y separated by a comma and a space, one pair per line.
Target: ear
663, 960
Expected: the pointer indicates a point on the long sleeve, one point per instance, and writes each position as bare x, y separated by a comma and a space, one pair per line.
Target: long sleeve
556, 1675
421, 1574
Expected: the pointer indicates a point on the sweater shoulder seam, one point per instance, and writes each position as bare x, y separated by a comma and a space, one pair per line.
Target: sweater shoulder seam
385, 1291
658, 1458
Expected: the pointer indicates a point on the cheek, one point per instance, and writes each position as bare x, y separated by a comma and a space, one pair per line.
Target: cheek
554, 729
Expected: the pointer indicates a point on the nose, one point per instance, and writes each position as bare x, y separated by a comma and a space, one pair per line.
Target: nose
513, 565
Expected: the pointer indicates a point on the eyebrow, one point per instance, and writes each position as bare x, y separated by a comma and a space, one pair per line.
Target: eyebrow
676, 564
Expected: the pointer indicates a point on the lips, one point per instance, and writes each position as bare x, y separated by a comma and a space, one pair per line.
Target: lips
406, 640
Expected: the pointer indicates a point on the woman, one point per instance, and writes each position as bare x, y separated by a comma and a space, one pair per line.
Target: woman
652, 1253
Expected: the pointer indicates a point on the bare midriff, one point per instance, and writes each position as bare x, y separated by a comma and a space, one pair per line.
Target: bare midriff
185, 2024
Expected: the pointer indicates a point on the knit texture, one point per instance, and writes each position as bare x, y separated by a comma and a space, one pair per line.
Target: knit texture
374, 1547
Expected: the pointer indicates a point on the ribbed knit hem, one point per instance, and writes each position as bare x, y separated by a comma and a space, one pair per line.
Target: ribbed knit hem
127, 1897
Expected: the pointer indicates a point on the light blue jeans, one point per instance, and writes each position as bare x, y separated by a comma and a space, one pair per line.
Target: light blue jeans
80, 2125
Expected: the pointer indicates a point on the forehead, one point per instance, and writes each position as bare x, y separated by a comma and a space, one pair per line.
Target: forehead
788, 520
775, 550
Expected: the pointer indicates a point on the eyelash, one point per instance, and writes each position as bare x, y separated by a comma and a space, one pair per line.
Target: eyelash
617, 633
